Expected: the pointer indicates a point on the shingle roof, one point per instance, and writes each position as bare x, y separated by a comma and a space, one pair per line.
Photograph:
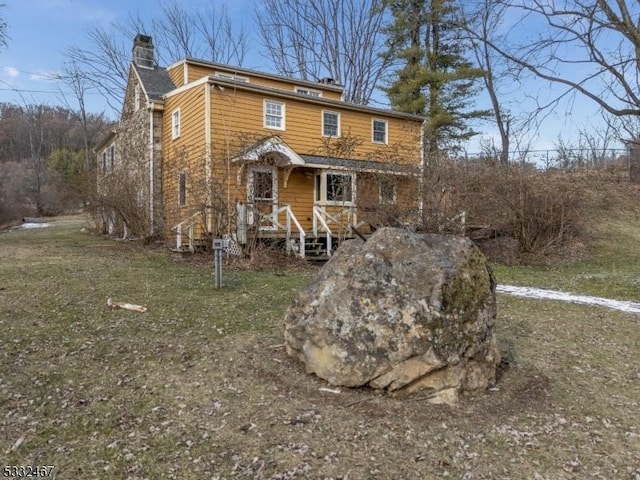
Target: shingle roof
156, 82
358, 165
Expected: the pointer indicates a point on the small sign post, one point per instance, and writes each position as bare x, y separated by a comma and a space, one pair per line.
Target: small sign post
220, 245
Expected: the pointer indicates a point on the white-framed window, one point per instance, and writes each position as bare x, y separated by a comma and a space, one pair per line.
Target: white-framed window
137, 92
274, 115
388, 190
175, 124
379, 131
231, 76
335, 188
182, 189
330, 124
307, 91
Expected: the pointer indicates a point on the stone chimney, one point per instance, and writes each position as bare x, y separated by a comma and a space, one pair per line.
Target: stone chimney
143, 51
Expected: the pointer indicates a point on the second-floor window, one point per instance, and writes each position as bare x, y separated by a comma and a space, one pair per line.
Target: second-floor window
379, 133
175, 124
330, 124
274, 115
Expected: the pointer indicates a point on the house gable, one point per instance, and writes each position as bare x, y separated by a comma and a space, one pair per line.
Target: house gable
189, 70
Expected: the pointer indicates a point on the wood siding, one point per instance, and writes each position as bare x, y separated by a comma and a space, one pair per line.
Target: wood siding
184, 154
237, 116
176, 73
236, 122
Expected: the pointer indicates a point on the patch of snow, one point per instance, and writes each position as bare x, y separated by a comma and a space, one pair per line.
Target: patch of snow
531, 292
27, 226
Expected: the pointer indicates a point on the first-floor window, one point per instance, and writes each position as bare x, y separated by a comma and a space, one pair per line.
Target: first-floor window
182, 189
339, 187
388, 190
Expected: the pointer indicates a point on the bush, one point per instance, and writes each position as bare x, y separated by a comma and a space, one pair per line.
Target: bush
540, 211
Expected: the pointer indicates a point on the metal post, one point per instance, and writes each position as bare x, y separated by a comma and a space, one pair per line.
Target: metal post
220, 245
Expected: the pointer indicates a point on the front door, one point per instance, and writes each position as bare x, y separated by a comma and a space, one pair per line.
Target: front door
263, 195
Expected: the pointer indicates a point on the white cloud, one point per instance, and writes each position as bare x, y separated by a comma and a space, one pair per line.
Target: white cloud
12, 72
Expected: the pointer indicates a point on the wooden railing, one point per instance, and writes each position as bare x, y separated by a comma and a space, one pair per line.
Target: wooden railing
188, 225
249, 214
343, 221
318, 217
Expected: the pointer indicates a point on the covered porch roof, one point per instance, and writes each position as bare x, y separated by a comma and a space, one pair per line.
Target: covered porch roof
275, 151
271, 149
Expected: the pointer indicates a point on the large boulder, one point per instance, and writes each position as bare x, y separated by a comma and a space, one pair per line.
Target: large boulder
401, 312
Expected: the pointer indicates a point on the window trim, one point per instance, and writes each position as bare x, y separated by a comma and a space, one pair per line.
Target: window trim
283, 116
175, 124
137, 96
337, 114
386, 131
182, 189
323, 184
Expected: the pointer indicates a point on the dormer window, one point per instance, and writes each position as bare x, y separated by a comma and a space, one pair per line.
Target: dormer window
307, 91
230, 76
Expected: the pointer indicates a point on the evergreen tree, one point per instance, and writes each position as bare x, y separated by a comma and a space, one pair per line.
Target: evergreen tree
434, 77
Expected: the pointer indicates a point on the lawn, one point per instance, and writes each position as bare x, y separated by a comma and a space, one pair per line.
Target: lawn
200, 386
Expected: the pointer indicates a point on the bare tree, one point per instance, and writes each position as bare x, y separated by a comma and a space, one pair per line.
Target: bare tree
104, 60
104, 64
4, 35
588, 46
481, 23
78, 84
339, 39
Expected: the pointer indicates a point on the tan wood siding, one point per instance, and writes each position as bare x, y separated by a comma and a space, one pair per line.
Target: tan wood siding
235, 113
184, 154
176, 73
298, 194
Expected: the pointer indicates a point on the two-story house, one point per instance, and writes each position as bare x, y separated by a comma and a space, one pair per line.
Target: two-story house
228, 151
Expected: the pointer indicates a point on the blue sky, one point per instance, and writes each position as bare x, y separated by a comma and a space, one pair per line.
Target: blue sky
40, 30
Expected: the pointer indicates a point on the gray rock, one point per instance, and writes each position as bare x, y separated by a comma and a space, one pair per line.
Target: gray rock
402, 312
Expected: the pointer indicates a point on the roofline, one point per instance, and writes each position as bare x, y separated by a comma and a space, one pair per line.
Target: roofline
106, 140
256, 73
276, 92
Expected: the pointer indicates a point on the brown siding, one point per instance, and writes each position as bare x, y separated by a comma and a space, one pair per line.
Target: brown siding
184, 154
176, 73
238, 112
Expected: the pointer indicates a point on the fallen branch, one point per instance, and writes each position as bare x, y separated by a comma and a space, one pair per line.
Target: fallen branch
355, 402
126, 306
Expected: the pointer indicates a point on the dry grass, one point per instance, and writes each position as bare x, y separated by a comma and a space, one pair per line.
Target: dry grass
200, 387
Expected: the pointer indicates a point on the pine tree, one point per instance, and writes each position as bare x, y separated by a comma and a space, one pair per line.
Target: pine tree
434, 79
